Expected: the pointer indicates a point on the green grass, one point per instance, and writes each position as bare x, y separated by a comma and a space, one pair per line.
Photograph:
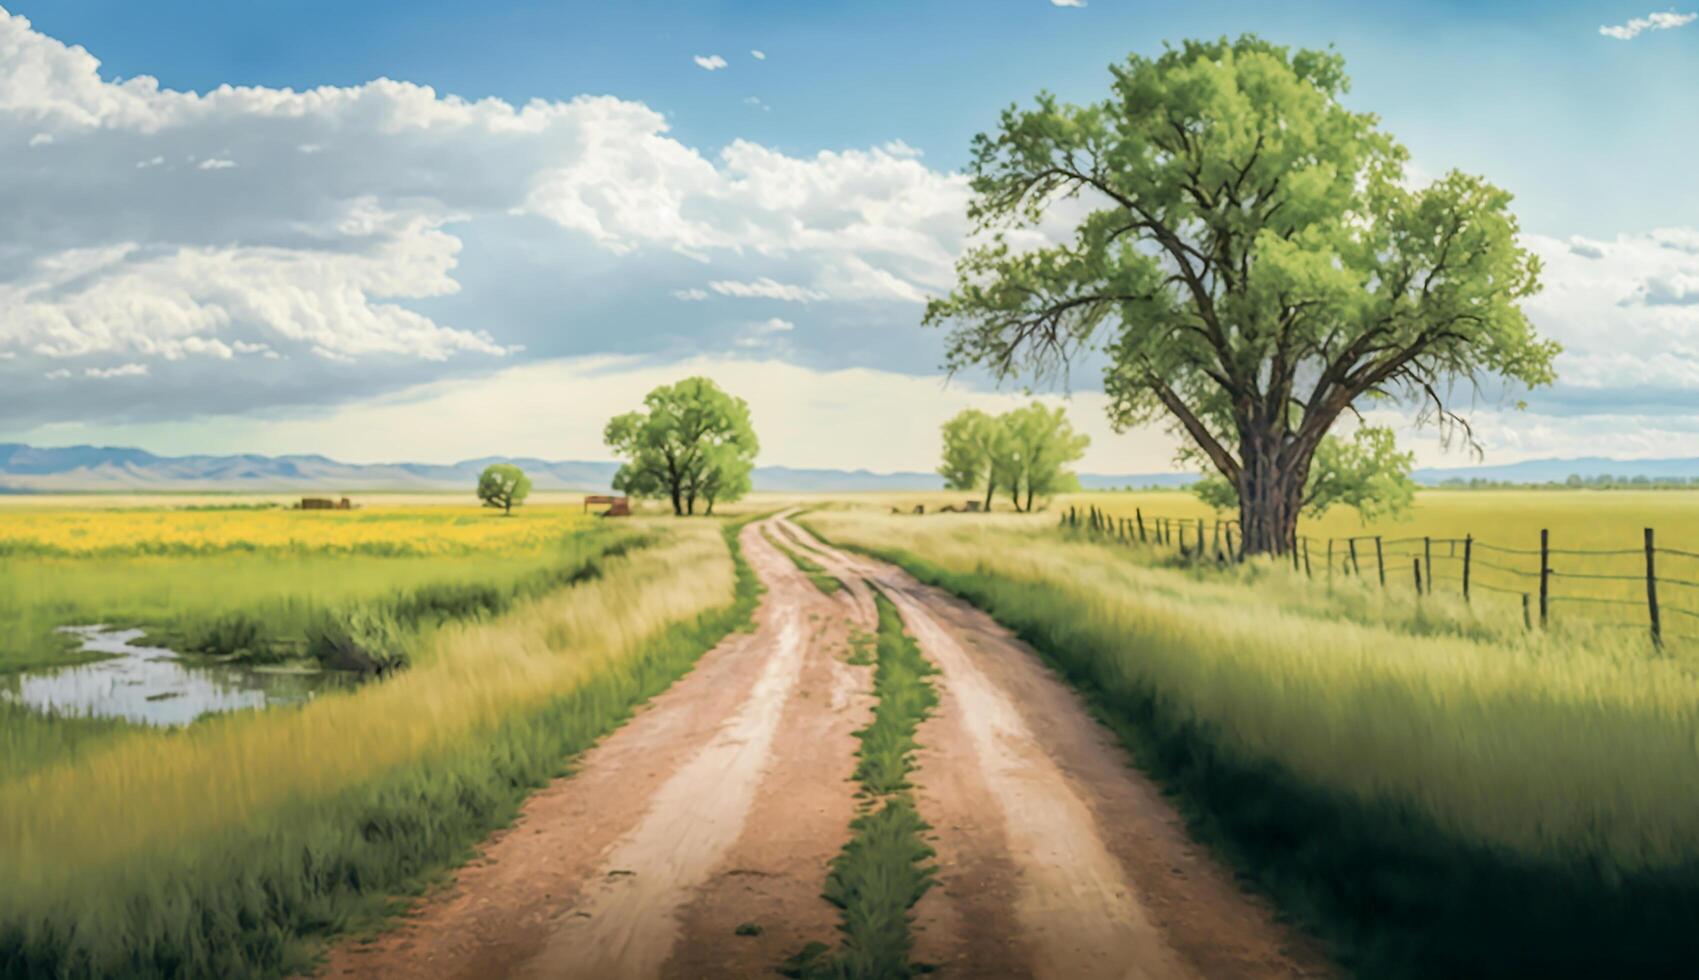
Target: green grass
822, 579
237, 846
883, 870
1433, 792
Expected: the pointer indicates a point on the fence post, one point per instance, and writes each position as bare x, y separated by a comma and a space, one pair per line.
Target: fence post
1416, 563
1307, 572
1468, 548
1428, 560
1527, 619
1652, 590
1200, 538
1215, 541
1229, 543
1295, 566
1356, 566
1330, 564
1380, 561
1138, 515
1545, 573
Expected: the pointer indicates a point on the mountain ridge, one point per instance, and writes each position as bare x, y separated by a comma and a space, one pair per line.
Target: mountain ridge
25, 468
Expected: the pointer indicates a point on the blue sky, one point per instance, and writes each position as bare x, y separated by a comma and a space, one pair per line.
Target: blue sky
398, 269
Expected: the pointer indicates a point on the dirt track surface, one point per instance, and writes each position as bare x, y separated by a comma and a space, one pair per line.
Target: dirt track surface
722, 801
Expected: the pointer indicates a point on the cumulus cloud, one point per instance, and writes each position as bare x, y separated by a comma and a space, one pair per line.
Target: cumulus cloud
1067, 3
121, 371
764, 333
710, 62
215, 164
765, 288
758, 55
1659, 21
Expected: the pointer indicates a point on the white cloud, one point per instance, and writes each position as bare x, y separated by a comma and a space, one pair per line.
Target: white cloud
765, 288
121, 371
41, 139
215, 164
758, 55
764, 333
710, 62
1067, 3
153, 161
691, 295
58, 374
755, 101
1659, 21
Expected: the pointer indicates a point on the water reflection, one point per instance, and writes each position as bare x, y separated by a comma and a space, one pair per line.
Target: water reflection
153, 686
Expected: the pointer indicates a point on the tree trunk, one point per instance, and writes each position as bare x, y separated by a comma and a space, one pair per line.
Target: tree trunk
990, 488
1029, 498
1270, 497
678, 502
1015, 494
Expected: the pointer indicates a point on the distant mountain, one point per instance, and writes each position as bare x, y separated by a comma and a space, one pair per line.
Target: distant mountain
1559, 470
26, 469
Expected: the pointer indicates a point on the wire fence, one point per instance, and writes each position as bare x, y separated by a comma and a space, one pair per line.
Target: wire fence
1649, 587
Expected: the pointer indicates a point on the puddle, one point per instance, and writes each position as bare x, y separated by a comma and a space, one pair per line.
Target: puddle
153, 686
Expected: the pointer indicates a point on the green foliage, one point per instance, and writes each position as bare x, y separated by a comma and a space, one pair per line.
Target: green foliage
1366, 473
503, 485
362, 639
1256, 263
1025, 451
693, 441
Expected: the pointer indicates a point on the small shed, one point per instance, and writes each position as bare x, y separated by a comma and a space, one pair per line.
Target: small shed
616, 506
325, 503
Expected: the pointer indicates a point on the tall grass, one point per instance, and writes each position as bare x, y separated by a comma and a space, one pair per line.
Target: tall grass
224, 849
1436, 793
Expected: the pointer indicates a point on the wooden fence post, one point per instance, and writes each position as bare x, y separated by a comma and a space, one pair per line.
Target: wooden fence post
1230, 543
1527, 619
1307, 572
1545, 573
1215, 543
1652, 590
1428, 560
1356, 566
1380, 561
1200, 538
1330, 564
1416, 563
1468, 548
1138, 515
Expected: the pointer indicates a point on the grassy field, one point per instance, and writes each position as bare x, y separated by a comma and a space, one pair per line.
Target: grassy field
1432, 787
191, 574
227, 847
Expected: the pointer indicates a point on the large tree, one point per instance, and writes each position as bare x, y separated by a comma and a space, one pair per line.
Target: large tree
1367, 473
1251, 257
692, 441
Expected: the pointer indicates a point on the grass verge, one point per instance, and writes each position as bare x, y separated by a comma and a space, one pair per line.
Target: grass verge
1429, 804
238, 847
882, 871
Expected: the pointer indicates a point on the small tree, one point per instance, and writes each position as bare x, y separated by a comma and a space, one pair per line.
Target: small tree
972, 452
503, 485
692, 441
1040, 444
1367, 473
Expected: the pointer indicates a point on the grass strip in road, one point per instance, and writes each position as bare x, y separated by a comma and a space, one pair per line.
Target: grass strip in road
883, 870
236, 848
823, 580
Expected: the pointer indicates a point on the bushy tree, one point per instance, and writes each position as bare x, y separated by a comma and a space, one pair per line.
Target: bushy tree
972, 452
1252, 259
503, 485
1365, 472
691, 442
1025, 452
1040, 444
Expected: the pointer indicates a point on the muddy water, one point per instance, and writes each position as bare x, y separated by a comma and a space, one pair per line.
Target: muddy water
152, 685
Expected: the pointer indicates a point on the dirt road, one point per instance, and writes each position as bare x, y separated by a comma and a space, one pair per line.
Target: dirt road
722, 802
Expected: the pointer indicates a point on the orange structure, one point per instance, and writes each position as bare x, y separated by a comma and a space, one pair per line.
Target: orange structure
617, 506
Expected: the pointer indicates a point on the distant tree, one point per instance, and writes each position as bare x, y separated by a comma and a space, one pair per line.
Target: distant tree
503, 485
1252, 257
692, 441
972, 452
1039, 444
1366, 472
